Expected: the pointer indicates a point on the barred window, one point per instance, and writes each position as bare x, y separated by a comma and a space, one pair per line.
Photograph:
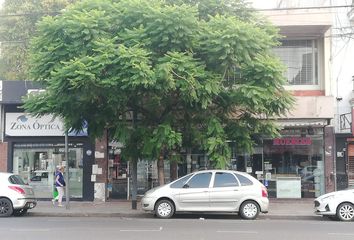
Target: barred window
301, 59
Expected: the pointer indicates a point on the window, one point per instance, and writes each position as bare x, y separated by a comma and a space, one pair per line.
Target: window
14, 179
244, 180
180, 183
200, 180
301, 59
35, 163
225, 180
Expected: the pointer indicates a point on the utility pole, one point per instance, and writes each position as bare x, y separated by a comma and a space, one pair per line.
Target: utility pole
134, 168
66, 156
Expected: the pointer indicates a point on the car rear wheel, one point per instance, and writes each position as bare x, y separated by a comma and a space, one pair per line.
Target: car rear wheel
249, 210
164, 209
20, 212
345, 212
6, 209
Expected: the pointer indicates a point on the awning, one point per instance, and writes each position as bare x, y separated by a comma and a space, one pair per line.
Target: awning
301, 123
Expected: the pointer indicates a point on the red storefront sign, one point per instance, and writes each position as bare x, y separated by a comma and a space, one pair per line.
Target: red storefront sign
292, 141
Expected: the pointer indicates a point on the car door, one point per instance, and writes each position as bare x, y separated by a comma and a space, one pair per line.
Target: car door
225, 192
194, 196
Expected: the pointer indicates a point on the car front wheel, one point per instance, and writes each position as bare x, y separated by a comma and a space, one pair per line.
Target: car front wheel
6, 209
164, 208
345, 212
249, 210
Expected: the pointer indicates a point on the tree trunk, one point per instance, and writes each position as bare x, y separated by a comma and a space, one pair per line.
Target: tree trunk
160, 170
189, 160
173, 170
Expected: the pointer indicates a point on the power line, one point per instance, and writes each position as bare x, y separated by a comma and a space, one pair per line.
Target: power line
303, 8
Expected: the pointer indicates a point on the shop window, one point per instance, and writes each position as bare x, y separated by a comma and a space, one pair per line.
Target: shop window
296, 156
36, 164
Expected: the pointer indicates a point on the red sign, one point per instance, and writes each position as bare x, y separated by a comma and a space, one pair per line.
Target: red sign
292, 141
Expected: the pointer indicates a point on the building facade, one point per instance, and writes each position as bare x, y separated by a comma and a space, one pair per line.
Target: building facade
343, 72
313, 155
301, 162
34, 146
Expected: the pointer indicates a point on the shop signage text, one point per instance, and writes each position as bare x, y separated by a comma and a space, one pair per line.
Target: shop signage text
21, 124
292, 141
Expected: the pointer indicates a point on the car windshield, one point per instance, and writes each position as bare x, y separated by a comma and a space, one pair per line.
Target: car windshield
15, 179
180, 182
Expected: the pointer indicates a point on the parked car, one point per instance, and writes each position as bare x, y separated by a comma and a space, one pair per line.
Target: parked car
16, 197
336, 205
209, 191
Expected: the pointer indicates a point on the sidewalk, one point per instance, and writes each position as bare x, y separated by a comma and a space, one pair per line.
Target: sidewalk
278, 209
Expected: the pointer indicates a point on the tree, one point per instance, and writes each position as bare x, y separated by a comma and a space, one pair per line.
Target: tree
17, 26
160, 76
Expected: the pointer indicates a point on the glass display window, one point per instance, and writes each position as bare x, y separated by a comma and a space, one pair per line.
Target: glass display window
296, 156
37, 163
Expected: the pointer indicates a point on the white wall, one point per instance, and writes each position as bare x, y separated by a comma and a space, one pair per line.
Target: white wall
342, 60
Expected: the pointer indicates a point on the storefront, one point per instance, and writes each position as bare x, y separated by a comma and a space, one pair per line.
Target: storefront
298, 164
291, 166
36, 147
294, 163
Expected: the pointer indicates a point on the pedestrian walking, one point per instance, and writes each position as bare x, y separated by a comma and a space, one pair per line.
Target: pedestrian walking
55, 190
60, 184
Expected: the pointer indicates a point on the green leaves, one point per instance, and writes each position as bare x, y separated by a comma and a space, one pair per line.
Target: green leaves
161, 76
162, 138
216, 144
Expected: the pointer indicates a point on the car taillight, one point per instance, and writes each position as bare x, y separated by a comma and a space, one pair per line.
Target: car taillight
264, 192
18, 189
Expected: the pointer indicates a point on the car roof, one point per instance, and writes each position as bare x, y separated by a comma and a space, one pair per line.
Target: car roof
220, 170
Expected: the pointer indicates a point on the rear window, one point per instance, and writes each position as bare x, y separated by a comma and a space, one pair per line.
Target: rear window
245, 181
15, 179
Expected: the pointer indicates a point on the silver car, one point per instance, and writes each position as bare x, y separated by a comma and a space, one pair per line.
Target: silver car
16, 197
209, 191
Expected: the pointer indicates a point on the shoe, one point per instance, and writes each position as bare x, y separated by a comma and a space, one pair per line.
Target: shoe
60, 205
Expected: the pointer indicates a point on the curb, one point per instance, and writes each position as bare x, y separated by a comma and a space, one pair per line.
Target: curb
177, 216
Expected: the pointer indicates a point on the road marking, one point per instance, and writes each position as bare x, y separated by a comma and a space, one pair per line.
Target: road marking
29, 230
342, 234
245, 232
141, 230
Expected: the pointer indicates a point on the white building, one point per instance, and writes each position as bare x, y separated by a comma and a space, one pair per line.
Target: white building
317, 49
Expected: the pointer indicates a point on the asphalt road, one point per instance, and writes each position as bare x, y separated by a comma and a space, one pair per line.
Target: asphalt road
87, 228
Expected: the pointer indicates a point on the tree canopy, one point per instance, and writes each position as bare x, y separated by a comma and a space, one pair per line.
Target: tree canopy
17, 27
161, 75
